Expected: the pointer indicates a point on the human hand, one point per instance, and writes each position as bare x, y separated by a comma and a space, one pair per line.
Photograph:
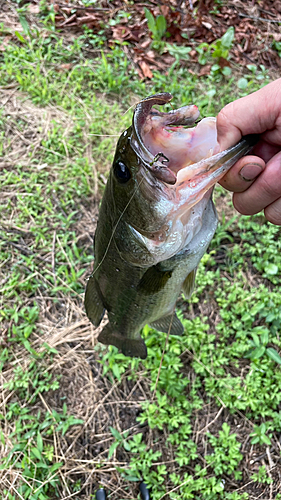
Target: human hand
255, 179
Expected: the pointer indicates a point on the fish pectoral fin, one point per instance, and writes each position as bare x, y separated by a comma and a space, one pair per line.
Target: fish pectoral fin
93, 302
154, 280
129, 347
188, 284
168, 324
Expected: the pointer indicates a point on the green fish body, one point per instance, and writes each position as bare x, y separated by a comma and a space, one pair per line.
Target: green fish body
156, 221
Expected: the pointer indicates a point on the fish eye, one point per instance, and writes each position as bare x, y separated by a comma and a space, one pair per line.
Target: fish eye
121, 172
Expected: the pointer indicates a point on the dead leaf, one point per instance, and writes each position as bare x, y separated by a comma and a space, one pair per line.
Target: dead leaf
277, 6
65, 67
224, 62
140, 73
14, 26
145, 69
120, 32
165, 10
125, 33
207, 25
205, 70
5, 42
33, 8
145, 44
88, 19
150, 54
67, 21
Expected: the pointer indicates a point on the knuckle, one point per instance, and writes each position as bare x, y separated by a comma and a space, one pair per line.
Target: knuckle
223, 116
271, 190
240, 205
273, 213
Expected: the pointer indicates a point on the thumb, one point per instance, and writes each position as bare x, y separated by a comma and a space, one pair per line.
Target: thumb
240, 177
229, 133
253, 114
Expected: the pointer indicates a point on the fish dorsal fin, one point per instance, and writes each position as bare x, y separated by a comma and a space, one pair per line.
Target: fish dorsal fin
154, 280
93, 302
188, 284
129, 347
164, 324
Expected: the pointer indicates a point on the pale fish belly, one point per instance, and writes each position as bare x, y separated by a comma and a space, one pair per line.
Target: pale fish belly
182, 264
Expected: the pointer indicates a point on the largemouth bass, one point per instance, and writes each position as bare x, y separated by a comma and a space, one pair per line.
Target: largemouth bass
156, 221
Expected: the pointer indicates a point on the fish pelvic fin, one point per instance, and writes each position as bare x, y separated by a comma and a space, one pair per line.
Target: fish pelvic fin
93, 302
129, 347
188, 284
166, 324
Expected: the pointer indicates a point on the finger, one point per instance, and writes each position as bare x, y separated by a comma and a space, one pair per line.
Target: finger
243, 173
253, 114
263, 192
273, 212
265, 150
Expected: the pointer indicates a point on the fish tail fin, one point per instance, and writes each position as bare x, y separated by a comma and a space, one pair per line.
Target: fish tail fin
129, 347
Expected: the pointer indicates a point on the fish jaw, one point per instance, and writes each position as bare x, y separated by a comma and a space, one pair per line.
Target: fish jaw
197, 180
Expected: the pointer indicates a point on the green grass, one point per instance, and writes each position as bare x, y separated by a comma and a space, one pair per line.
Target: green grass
188, 421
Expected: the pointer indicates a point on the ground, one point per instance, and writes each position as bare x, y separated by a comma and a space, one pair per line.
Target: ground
199, 418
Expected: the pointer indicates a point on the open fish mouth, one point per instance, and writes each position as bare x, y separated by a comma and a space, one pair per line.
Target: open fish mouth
186, 158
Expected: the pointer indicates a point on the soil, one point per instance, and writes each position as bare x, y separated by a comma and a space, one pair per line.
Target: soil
188, 24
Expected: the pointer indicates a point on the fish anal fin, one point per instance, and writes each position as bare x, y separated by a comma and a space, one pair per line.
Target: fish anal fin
188, 284
93, 302
129, 347
154, 280
168, 324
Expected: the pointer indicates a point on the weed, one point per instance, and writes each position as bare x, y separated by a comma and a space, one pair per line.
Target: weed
29, 455
261, 476
178, 51
158, 27
226, 456
218, 50
259, 435
222, 46
277, 46
120, 440
258, 346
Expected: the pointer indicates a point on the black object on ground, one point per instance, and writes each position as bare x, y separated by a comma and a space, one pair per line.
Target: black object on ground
101, 495
144, 492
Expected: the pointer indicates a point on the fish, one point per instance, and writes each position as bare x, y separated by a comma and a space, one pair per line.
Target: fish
156, 221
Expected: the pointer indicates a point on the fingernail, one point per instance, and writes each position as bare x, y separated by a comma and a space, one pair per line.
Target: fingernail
250, 171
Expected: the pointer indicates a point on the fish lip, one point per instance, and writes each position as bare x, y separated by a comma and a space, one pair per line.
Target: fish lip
159, 169
141, 112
